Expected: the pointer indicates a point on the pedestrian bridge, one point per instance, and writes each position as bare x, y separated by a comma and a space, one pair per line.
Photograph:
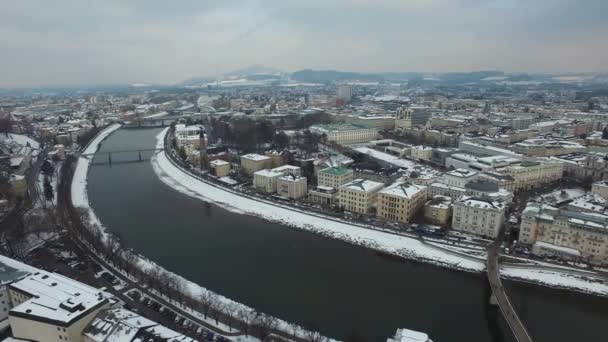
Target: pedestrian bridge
499, 296
127, 156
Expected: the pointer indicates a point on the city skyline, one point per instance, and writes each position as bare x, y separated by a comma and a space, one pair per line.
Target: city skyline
154, 42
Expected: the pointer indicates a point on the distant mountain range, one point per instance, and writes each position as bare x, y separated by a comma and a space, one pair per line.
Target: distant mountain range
260, 73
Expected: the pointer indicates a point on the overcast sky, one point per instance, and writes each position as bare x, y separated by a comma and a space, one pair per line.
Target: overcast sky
57, 42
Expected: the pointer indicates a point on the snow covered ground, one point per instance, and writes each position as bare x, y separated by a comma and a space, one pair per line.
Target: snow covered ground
557, 279
23, 140
409, 248
80, 198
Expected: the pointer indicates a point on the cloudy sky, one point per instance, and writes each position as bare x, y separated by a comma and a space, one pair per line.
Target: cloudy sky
122, 41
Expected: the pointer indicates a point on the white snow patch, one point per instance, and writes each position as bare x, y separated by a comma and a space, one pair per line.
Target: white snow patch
80, 198
557, 279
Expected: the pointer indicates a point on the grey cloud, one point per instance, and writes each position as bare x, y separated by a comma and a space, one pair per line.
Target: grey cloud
65, 42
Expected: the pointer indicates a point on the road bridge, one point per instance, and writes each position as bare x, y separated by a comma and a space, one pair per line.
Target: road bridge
499, 296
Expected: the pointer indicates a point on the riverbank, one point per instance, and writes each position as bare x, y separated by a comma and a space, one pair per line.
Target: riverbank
79, 199
401, 246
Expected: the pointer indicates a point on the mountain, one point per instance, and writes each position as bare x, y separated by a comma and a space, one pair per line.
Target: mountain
255, 69
323, 76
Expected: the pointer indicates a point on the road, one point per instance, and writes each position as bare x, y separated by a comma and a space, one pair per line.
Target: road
517, 327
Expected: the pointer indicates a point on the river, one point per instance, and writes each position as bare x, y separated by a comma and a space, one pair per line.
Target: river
346, 292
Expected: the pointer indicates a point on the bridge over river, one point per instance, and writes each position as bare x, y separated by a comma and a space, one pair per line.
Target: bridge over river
499, 296
135, 155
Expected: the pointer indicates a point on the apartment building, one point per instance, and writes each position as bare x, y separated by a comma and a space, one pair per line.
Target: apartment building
219, 168
335, 176
346, 133
459, 177
438, 210
531, 174
266, 180
292, 186
400, 201
253, 162
359, 195
601, 189
478, 216
569, 233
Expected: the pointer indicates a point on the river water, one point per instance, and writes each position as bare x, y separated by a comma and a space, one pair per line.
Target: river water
346, 292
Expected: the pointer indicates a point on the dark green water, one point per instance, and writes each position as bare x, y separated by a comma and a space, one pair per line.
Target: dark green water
328, 285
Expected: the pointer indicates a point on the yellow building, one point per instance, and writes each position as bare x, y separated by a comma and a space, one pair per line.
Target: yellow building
253, 162
437, 210
360, 195
529, 175
401, 201
220, 168
335, 176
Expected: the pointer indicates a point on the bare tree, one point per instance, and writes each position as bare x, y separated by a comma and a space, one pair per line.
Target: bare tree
315, 336
247, 317
216, 308
231, 311
206, 298
265, 325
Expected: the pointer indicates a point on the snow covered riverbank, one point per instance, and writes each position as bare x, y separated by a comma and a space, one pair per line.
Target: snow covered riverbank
406, 247
80, 200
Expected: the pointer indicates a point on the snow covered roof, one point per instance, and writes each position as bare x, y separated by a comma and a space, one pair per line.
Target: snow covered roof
406, 335
362, 185
116, 325
10, 274
463, 173
218, 162
267, 173
255, 157
403, 189
479, 203
56, 299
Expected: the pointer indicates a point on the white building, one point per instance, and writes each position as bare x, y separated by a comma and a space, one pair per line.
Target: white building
580, 232
601, 189
289, 170
51, 307
266, 180
345, 134
422, 153
360, 195
293, 187
459, 177
478, 216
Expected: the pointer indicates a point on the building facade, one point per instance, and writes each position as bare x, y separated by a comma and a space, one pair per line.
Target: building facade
584, 232
335, 176
266, 180
253, 162
359, 195
401, 201
478, 216
292, 187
